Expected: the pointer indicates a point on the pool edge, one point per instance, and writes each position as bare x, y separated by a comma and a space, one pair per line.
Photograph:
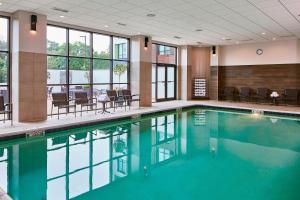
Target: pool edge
47, 130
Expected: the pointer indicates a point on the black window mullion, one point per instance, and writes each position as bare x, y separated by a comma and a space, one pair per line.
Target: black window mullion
68, 64
91, 65
111, 81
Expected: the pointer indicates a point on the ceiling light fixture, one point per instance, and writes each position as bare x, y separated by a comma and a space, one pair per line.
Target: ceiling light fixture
121, 24
33, 22
106, 26
214, 50
62, 16
60, 10
263, 33
146, 43
227, 39
0, 4
274, 38
151, 15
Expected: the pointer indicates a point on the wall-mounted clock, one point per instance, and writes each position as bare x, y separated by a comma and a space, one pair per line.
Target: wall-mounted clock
259, 52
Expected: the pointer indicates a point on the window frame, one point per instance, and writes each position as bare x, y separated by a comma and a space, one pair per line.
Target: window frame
91, 59
8, 53
166, 65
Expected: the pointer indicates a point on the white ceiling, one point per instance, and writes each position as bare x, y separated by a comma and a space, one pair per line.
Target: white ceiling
240, 20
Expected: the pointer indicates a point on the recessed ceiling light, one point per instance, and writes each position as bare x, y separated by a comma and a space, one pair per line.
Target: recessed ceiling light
198, 30
177, 37
60, 10
151, 15
274, 38
227, 39
263, 33
106, 26
0, 4
62, 16
121, 24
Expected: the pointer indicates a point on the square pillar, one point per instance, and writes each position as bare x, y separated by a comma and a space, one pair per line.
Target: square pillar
141, 70
29, 68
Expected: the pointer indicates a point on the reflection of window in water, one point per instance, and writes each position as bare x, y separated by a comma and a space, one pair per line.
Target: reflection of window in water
3, 169
164, 154
122, 165
83, 161
164, 141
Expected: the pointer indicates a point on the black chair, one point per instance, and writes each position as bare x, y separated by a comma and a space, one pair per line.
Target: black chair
129, 98
263, 95
81, 98
291, 96
5, 110
245, 94
117, 101
228, 93
61, 101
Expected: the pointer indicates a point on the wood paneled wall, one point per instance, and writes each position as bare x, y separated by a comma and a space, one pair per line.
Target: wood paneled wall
274, 77
199, 66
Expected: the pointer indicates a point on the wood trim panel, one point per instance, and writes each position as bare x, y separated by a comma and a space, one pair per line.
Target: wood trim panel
275, 77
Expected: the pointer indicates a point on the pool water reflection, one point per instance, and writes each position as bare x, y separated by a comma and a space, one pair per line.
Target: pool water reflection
200, 154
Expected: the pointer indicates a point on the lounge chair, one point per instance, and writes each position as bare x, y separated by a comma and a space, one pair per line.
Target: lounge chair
61, 101
81, 98
291, 96
129, 98
229, 93
5, 110
263, 95
116, 100
245, 94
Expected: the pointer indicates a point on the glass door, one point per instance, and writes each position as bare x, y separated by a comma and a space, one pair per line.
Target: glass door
166, 82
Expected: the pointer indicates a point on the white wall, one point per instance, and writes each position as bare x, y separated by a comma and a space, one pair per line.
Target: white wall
275, 52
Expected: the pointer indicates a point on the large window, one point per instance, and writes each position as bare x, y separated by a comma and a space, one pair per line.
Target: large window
164, 72
85, 61
4, 59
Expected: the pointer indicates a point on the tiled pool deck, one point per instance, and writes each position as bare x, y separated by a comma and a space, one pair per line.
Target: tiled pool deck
7, 131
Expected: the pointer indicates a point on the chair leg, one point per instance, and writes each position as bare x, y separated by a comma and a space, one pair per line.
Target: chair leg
4, 117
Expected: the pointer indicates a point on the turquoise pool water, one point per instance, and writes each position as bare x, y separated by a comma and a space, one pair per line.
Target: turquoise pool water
197, 154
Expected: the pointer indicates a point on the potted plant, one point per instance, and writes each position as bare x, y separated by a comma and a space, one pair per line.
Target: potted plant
119, 70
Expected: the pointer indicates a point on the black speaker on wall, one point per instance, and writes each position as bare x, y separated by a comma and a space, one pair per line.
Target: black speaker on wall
214, 50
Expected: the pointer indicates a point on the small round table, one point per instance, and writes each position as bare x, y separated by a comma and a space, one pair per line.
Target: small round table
104, 102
